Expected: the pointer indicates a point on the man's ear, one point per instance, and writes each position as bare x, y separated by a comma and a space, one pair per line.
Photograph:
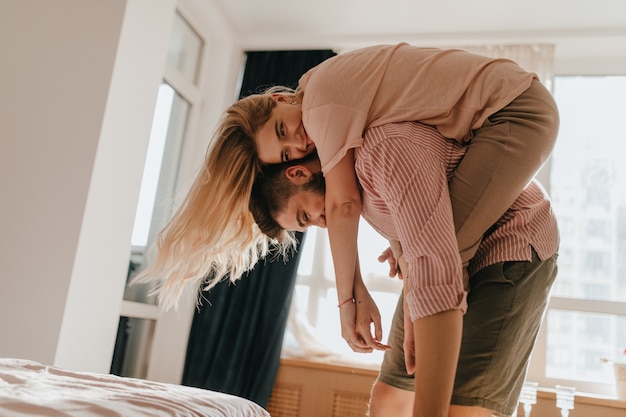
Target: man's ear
278, 97
298, 174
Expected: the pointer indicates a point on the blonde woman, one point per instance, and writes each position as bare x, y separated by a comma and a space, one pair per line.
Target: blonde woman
508, 119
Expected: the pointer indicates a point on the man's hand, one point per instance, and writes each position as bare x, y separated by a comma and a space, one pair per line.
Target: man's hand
347, 315
368, 316
392, 255
387, 256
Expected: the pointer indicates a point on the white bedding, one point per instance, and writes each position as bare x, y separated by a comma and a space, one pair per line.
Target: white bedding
29, 388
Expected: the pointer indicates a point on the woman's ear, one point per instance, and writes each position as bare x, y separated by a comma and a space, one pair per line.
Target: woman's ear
298, 174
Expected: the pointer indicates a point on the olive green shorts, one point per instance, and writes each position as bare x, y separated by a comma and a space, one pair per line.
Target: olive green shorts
506, 304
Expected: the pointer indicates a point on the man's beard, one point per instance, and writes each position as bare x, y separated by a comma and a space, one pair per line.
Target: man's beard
317, 184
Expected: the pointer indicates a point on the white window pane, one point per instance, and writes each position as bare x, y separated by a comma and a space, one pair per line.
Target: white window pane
161, 166
152, 167
578, 341
301, 294
371, 245
307, 252
588, 184
185, 48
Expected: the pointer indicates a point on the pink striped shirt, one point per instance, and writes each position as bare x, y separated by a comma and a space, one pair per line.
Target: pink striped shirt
404, 170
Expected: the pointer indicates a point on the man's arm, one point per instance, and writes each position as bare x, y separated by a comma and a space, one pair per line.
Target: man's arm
410, 179
437, 345
429, 265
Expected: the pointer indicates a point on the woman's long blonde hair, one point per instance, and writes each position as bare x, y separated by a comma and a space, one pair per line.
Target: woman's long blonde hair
213, 235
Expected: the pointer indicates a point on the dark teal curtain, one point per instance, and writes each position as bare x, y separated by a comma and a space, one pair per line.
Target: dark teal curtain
237, 333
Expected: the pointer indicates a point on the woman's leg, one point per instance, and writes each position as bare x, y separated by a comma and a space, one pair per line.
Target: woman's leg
502, 157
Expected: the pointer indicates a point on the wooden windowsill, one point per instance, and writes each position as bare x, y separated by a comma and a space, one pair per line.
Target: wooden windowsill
585, 398
329, 366
542, 393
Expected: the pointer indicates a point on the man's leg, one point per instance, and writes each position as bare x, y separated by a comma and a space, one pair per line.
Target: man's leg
463, 411
390, 401
506, 304
392, 393
505, 309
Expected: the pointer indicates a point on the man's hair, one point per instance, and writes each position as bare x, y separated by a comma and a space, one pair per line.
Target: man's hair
270, 194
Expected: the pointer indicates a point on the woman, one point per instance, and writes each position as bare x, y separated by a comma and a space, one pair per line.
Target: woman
506, 116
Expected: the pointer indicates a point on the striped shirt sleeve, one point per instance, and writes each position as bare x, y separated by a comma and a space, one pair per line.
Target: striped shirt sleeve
406, 197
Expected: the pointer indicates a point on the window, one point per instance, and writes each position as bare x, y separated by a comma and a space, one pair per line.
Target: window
178, 97
587, 314
168, 131
177, 94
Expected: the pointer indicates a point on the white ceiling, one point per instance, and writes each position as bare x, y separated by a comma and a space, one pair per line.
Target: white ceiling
260, 24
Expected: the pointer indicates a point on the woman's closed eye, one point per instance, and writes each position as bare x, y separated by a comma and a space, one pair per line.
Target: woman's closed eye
282, 133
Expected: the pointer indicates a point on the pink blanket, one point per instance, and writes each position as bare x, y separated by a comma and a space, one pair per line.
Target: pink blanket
28, 388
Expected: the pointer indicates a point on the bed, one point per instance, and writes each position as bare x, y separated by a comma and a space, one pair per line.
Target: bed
28, 388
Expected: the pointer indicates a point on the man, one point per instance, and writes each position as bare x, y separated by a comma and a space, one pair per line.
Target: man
403, 170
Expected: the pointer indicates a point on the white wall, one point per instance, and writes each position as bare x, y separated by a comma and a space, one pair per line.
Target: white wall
79, 80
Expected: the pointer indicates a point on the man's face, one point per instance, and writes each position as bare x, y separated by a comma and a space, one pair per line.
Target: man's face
306, 207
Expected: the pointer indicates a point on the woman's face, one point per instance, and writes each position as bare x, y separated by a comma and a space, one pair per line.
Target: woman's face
283, 138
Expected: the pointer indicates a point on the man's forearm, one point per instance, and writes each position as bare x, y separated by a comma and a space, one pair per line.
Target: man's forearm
437, 345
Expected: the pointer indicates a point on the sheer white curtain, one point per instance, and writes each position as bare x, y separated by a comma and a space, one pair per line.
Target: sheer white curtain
313, 329
537, 58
